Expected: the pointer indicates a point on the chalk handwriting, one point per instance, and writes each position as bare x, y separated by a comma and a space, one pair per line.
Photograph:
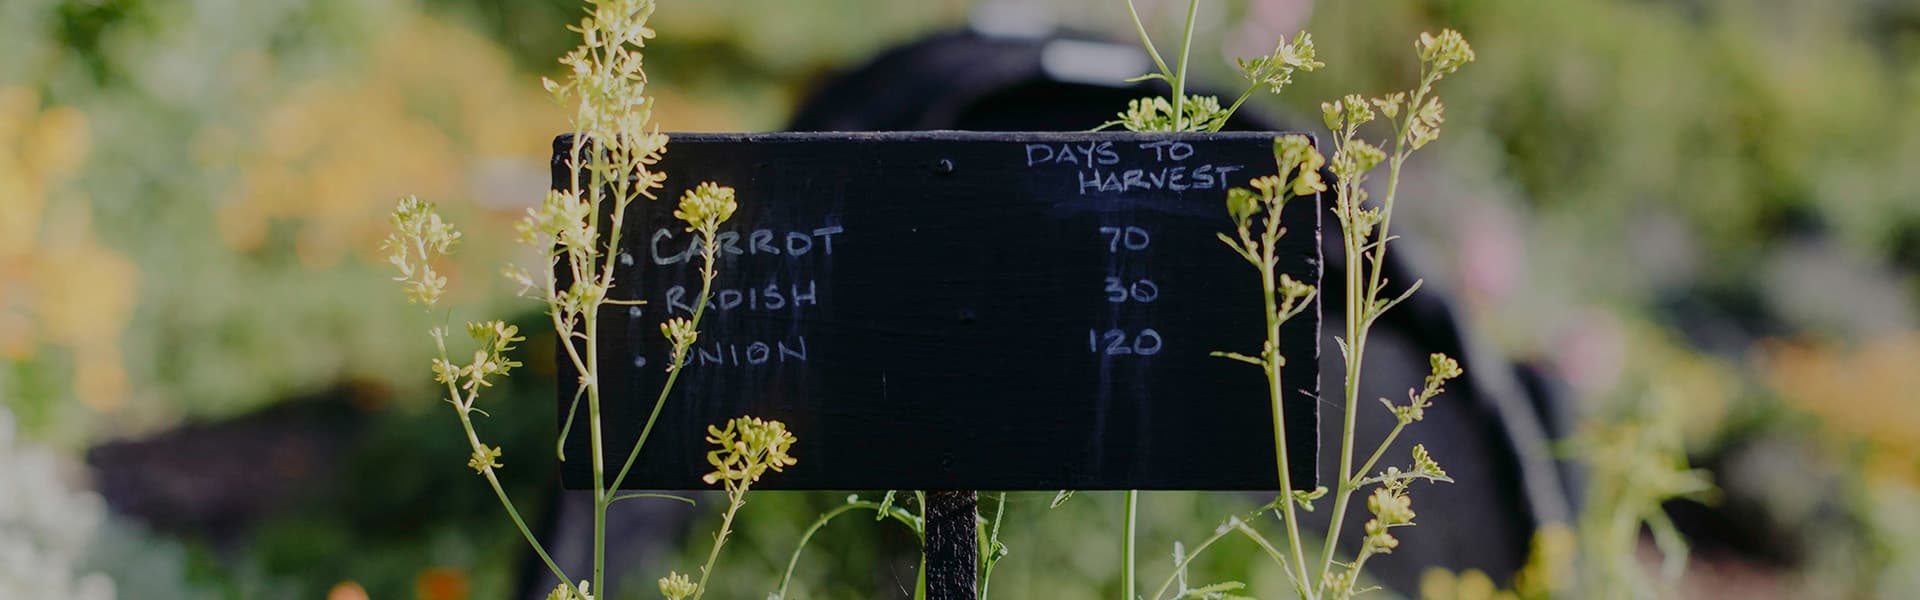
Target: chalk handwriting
794, 243
1177, 178
1134, 238
1142, 291
752, 354
769, 297
1087, 154
1117, 342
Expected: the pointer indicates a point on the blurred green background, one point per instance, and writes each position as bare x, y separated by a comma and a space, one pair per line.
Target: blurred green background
1703, 213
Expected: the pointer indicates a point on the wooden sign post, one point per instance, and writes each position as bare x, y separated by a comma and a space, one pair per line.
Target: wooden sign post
963, 311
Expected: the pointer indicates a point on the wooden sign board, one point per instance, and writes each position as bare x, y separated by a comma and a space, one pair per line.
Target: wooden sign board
960, 310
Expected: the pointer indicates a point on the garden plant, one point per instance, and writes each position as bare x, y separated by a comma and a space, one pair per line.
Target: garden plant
615, 147
1414, 118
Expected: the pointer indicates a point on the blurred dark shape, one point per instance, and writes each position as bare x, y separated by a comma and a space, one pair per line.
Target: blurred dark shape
1773, 502
1906, 246
1490, 429
214, 480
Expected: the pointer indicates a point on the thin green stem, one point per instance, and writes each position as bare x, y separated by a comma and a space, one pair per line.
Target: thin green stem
473, 442
793, 561
679, 362
560, 446
1180, 77
638, 495
600, 494
591, 376
1147, 41
993, 541
1126, 549
1361, 300
1222, 121
737, 499
1377, 452
807, 537
1276, 408
920, 582
1181, 566
1306, 590
1357, 317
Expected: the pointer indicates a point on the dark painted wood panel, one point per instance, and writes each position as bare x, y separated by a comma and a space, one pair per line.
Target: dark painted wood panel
933, 310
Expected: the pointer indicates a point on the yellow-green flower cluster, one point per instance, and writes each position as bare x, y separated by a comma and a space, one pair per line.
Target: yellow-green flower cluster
676, 586
1356, 158
705, 207
496, 339
681, 334
1298, 165
747, 448
1295, 154
1424, 126
605, 79
1293, 289
1276, 69
1446, 52
563, 219
1443, 368
484, 458
1340, 583
1198, 113
1351, 111
1424, 465
419, 236
566, 592
1390, 509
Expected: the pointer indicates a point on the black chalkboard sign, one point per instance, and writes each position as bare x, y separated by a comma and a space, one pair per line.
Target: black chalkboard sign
961, 310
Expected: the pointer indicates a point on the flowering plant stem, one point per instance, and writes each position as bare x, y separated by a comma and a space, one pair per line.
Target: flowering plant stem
611, 164
1256, 216
1366, 257
1359, 322
493, 479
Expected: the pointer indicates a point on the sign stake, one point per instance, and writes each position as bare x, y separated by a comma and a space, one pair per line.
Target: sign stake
953, 550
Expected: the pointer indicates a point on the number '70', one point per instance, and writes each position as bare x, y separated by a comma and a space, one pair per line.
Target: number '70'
1130, 237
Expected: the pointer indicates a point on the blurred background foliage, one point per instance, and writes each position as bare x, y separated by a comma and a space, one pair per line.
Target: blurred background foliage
1698, 212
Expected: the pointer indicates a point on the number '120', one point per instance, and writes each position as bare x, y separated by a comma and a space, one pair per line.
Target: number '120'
1115, 342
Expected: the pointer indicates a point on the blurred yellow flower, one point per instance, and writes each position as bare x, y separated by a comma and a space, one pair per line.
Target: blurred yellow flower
434, 104
1865, 391
58, 285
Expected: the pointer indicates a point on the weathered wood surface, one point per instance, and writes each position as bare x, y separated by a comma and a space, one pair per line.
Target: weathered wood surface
953, 545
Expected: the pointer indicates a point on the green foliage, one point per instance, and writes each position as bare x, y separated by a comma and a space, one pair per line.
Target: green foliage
1638, 462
